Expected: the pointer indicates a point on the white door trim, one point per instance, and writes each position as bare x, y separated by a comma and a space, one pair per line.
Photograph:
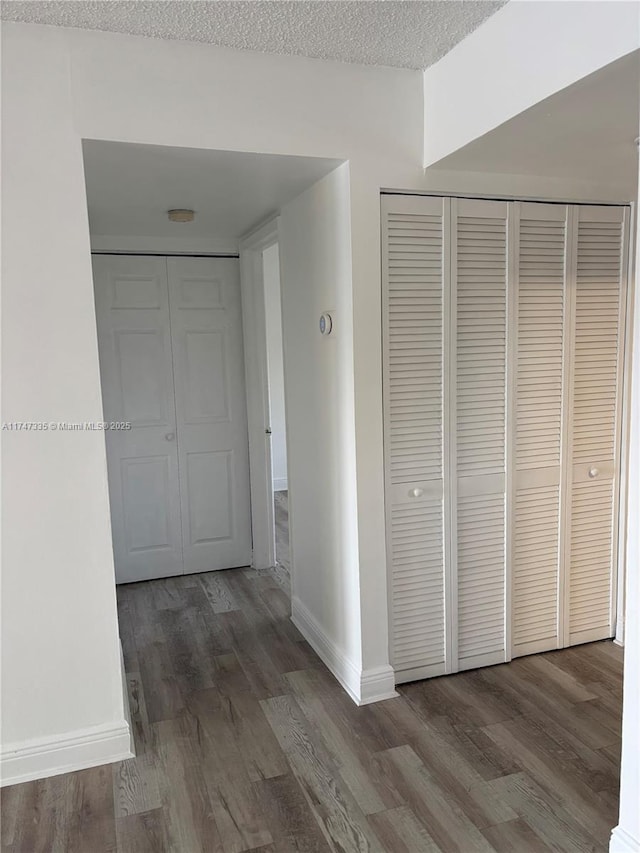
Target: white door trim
257, 381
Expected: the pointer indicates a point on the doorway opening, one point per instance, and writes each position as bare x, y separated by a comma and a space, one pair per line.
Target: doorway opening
277, 409
190, 331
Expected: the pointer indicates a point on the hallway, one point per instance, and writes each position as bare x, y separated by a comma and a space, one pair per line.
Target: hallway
244, 741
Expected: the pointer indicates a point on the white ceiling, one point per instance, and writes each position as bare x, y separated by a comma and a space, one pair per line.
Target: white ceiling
131, 187
405, 34
586, 132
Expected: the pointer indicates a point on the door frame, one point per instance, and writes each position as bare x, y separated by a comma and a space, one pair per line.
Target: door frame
254, 326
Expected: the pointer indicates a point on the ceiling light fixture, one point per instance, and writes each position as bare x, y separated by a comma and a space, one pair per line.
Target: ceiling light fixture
181, 215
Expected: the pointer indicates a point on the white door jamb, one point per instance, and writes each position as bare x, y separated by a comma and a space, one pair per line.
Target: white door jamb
257, 381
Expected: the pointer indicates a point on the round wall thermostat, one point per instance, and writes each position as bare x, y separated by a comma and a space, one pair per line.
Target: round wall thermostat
326, 324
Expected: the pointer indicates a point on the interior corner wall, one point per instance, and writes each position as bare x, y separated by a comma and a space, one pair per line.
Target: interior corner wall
273, 317
315, 262
521, 55
61, 674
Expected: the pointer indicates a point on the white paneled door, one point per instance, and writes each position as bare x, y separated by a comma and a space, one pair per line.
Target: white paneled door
134, 338
206, 332
171, 361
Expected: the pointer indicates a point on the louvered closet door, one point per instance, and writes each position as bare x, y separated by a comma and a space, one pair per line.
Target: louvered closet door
597, 293
538, 383
478, 446
414, 270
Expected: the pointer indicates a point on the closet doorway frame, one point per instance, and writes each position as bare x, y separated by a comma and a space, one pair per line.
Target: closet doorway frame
254, 326
248, 252
631, 305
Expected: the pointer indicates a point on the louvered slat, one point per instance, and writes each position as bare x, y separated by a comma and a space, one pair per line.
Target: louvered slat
417, 584
598, 300
481, 576
414, 245
535, 569
539, 419
591, 557
597, 311
413, 253
480, 290
480, 332
539, 358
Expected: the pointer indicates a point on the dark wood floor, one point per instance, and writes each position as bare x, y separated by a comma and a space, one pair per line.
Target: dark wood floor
244, 741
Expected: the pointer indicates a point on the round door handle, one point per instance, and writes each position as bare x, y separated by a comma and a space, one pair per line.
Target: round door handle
593, 472
170, 436
416, 493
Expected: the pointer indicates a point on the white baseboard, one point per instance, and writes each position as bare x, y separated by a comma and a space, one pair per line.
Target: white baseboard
622, 842
363, 686
280, 484
377, 684
37, 759
125, 702
347, 673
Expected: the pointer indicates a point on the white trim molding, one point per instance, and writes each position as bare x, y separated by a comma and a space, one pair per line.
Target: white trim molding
125, 699
376, 684
257, 381
40, 758
280, 484
622, 842
126, 244
363, 686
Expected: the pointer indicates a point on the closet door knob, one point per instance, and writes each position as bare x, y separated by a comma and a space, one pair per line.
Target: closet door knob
593, 472
170, 436
416, 493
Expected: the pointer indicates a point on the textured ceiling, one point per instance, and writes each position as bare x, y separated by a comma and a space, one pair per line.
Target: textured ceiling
406, 34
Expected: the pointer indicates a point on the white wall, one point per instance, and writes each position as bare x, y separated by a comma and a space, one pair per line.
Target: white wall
626, 836
521, 55
273, 318
61, 673
315, 251
60, 654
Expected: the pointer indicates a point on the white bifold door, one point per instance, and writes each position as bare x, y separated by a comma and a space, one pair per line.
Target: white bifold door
503, 343
172, 371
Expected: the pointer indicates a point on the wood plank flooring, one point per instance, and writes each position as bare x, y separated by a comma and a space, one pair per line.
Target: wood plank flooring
245, 742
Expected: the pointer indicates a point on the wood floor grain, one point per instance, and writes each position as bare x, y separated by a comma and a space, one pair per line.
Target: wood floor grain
245, 742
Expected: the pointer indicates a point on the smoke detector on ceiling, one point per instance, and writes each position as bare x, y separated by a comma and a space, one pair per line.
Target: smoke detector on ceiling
181, 215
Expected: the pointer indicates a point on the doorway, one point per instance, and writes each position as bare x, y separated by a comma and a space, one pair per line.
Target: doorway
171, 361
176, 338
277, 409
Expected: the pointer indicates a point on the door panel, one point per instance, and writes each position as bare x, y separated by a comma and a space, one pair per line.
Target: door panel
132, 310
541, 243
146, 496
142, 387
479, 404
210, 494
598, 301
415, 270
206, 331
